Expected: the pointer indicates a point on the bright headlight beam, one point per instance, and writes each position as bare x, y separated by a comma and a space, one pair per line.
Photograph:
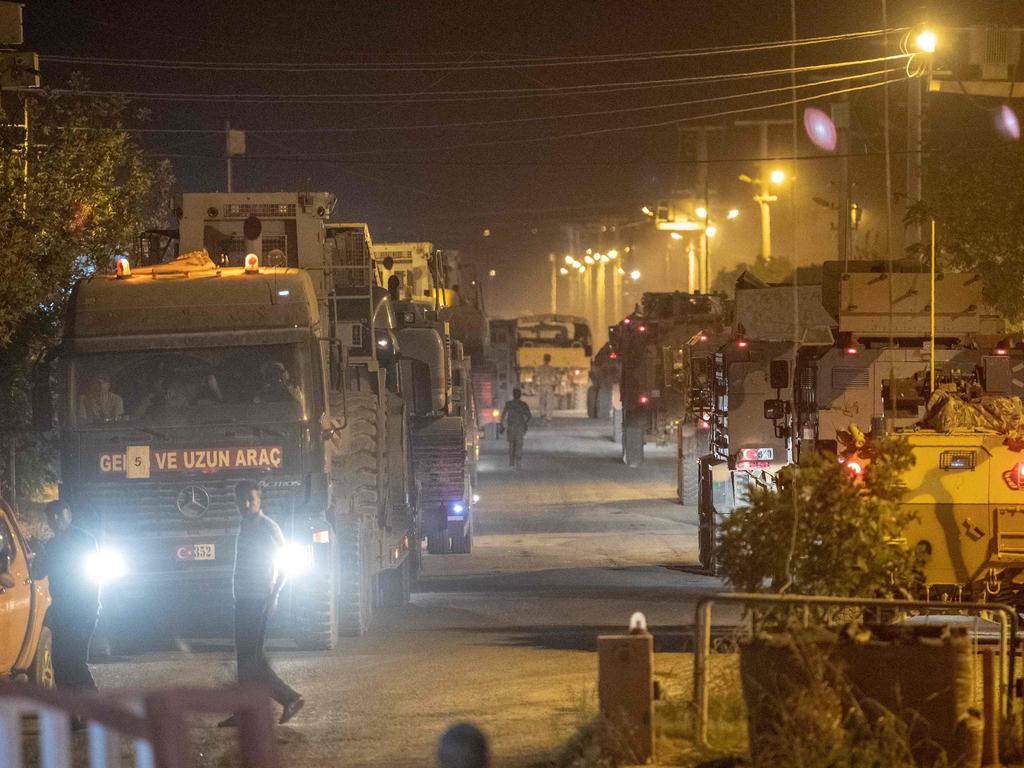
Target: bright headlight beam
294, 559
104, 566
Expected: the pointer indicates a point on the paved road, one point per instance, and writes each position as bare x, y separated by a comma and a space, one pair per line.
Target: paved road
564, 549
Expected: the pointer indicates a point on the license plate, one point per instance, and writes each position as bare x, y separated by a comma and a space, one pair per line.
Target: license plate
197, 552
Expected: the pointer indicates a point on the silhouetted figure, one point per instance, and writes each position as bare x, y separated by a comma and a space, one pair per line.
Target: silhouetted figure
463, 745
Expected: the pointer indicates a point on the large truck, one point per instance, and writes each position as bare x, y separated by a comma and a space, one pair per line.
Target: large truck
440, 332
654, 346
808, 366
266, 351
567, 340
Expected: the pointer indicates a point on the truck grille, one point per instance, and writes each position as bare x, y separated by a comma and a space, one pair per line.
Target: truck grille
144, 507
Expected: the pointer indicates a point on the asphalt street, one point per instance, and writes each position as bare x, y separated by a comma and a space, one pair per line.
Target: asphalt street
565, 549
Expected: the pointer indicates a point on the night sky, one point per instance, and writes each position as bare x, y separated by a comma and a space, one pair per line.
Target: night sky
424, 183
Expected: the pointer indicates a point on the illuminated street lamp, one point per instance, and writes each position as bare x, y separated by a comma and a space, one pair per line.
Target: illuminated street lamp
492, 273
926, 41
764, 198
702, 212
647, 211
588, 259
778, 176
569, 259
676, 236
613, 254
732, 214
711, 230
635, 274
563, 271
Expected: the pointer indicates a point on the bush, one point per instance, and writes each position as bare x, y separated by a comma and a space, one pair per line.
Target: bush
823, 533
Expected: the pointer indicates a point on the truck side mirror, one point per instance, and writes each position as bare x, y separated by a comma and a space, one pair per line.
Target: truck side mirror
778, 374
42, 398
775, 409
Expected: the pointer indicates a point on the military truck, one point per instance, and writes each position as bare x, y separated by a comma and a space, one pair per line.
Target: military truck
439, 331
653, 346
804, 363
266, 351
567, 340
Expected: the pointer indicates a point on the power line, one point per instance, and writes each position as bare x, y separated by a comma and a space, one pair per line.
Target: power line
417, 97
486, 123
435, 66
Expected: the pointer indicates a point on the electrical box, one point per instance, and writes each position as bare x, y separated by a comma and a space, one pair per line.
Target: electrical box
19, 70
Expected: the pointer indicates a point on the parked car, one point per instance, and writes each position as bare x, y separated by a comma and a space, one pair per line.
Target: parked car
25, 644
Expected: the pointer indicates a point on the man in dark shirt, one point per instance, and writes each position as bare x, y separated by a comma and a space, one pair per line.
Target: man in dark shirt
515, 419
256, 584
75, 598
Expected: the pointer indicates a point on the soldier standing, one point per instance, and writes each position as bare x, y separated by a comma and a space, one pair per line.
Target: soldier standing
547, 380
515, 420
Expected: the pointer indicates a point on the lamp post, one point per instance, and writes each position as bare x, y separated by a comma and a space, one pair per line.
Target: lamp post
764, 198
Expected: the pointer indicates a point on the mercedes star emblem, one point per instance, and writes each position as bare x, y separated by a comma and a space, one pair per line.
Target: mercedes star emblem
193, 502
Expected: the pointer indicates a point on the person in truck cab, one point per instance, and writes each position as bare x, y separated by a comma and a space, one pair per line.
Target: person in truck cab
256, 583
278, 386
76, 598
100, 403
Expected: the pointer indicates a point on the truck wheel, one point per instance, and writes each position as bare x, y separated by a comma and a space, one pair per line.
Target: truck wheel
394, 586
462, 544
438, 542
355, 585
41, 671
315, 606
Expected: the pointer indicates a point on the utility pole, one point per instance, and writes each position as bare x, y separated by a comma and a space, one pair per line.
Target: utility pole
841, 119
227, 152
617, 272
913, 234
601, 319
764, 198
554, 284
701, 189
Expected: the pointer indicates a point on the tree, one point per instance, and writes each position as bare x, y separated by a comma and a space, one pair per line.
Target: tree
975, 195
88, 194
821, 532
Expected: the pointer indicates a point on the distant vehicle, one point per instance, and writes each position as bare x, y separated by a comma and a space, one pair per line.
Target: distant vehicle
25, 644
567, 339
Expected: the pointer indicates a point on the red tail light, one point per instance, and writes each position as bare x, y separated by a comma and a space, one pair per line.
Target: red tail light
627, 320
642, 328
702, 337
644, 399
851, 350
742, 343
613, 356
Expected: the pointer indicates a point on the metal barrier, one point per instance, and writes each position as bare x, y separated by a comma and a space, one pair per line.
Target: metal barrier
154, 724
1008, 626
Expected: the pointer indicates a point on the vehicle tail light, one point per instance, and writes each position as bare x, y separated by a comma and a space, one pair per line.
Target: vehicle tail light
702, 337
252, 264
627, 320
322, 537
642, 328
742, 343
851, 350
644, 399
613, 356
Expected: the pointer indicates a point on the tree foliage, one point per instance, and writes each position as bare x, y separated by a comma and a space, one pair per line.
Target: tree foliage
821, 533
88, 194
977, 201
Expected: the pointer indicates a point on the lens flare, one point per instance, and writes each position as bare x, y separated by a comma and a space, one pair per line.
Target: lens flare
820, 129
1007, 123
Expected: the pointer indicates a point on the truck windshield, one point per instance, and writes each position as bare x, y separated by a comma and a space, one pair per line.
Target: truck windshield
175, 387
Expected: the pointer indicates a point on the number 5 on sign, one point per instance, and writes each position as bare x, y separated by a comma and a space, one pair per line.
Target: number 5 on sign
137, 462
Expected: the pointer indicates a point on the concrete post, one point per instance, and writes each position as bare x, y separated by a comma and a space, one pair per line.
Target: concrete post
626, 693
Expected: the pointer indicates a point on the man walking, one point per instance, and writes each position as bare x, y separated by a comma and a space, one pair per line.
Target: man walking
256, 584
515, 419
547, 379
75, 598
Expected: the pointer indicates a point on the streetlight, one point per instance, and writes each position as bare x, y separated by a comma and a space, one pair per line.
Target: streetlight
613, 254
647, 211
588, 259
764, 198
635, 274
732, 214
492, 273
675, 236
569, 259
563, 271
926, 41
702, 212
711, 230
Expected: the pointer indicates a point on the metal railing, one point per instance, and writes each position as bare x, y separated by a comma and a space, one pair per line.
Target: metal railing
1008, 626
153, 724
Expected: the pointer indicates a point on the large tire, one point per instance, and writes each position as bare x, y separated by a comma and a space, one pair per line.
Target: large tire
356, 582
41, 671
358, 467
438, 542
395, 585
462, 544
314, 617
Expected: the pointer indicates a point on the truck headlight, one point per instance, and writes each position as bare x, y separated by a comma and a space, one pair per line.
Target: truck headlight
105, 565
294, 559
